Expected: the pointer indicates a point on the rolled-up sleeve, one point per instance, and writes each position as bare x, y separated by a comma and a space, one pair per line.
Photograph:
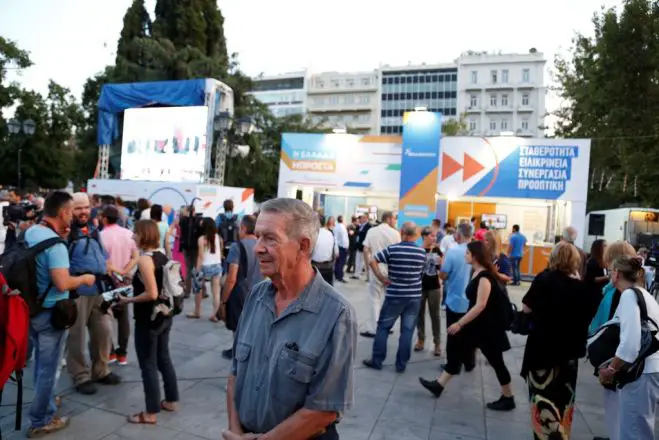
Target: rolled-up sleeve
630, 327
332, 387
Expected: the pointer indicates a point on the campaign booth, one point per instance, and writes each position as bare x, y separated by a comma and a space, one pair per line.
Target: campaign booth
538, 184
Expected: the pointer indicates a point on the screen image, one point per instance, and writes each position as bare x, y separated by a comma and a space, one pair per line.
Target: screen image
496, 221
166, 144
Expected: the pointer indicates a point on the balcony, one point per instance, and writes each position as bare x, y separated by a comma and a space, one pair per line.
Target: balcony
526, 85
473, 109
339, 107
473, 87
356, 87
499, 86
525, 108
506, 109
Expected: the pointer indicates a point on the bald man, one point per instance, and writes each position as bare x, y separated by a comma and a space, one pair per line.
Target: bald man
88, 256
405, 262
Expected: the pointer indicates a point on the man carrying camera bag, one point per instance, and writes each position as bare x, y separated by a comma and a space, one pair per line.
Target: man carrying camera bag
87, 256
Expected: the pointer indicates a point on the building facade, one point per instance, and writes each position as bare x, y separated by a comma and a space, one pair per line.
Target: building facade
405, 88
284, 94
502, 93
344, 100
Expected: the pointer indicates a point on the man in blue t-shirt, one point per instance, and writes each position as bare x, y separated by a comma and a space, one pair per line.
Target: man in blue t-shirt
456, 273
405, 263
516, 244
252, 272
54, 280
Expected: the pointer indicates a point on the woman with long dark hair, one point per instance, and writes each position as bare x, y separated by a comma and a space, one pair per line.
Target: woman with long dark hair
596, 275
208, 268
484, 324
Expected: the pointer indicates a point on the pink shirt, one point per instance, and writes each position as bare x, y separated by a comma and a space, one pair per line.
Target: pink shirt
119, 244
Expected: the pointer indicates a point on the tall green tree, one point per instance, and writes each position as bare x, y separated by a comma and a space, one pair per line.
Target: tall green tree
609, 85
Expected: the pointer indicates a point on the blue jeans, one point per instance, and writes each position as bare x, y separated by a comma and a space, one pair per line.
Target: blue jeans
48, 349
516, 274
393, 308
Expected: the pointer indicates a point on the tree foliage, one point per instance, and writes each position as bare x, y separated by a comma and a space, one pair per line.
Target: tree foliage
610, 91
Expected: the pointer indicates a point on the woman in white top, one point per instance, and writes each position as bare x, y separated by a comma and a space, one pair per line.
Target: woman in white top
638, 399
208, 268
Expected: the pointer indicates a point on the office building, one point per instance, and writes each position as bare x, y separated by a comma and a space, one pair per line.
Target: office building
406, 88
502, 93
284, 94
344, 100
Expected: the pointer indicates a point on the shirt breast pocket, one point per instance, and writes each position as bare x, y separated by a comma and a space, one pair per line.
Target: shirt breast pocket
293, 374
243, 352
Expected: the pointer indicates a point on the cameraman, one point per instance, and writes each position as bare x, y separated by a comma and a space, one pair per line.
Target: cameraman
54, 279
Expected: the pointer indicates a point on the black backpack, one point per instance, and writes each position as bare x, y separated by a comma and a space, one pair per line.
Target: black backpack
18, 265
228, 229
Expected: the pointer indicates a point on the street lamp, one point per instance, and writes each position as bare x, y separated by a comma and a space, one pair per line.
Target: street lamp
29, 127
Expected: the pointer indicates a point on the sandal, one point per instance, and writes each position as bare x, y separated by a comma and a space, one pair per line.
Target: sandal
192, 316
167, 406
438, 350
419, 346
213, 319
140, 419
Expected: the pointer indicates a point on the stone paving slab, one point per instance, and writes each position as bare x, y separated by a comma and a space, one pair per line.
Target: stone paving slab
387, 405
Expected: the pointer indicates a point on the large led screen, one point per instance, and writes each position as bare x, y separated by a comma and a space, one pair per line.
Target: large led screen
166, 144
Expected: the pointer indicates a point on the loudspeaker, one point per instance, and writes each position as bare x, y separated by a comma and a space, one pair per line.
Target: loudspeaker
596, 225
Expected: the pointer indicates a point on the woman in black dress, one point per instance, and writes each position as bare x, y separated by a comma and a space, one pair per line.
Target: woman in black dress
484, 324
596, 277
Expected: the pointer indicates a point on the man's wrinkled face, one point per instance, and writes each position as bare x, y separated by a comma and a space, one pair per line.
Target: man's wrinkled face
278, 254
81, 211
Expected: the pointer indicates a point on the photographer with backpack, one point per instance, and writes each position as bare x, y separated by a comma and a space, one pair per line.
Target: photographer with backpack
88, 256
38, 266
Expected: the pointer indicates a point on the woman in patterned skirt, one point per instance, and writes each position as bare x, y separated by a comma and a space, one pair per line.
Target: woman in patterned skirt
560, 309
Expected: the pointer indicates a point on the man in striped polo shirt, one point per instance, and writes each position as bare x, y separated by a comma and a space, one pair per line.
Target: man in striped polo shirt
405, 262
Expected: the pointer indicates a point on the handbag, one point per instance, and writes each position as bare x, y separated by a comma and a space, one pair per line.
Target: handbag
602, 345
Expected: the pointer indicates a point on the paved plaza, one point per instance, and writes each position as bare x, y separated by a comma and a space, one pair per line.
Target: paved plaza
387, 405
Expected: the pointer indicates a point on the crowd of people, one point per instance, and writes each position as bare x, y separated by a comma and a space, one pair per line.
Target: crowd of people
271, 279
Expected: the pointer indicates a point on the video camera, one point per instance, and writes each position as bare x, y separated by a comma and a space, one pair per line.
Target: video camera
19, 212
111, 297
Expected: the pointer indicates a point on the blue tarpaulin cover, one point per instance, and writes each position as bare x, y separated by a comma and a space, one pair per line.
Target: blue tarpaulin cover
115, 98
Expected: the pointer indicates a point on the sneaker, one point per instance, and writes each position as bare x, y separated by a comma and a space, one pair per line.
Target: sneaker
112, 359
433, 386
88, 388
503, 404
122, 360
110, 379
55, 425
370, 364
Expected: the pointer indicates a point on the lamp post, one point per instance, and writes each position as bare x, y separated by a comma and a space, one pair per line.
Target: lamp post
222, 124
29, 127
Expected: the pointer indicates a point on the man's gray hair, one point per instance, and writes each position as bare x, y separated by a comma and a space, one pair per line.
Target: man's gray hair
387, 215
81, 197
303, 221
408, 229
464, 230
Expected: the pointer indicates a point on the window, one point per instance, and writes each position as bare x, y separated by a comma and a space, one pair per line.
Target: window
472, 125
504, 100
319, 101
525, 99
504, 124
366, 81
525, 124
493, 100
336, 83
364, 99
350, 82
473, 101
493, 125
474, 77
320, 84
493, 76
504, 76
348, 99
334, 100
526, 75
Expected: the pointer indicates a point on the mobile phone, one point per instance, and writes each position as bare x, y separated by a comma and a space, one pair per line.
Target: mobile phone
118, 277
